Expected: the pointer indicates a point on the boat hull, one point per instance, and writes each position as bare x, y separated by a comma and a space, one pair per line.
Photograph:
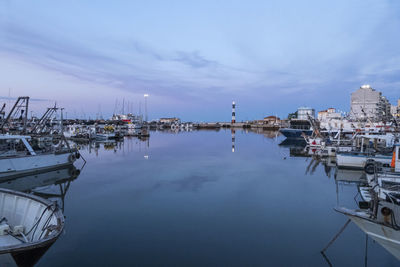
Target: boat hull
20, 166
386, 236
295, 133
358, 161
22, 210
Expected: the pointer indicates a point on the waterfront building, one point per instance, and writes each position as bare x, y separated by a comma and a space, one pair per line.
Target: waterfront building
272, 121
395, 110
329, 113
369, 104
303, 112
169, 120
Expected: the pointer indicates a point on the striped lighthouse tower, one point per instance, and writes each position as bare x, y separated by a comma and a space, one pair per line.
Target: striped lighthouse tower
233, 112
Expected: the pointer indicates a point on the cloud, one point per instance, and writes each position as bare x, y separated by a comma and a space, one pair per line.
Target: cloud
295, 54
30, 99
138, 67
194, 59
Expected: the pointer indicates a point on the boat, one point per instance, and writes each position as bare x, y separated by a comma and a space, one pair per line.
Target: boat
21, 155
385, 180
297, 128
105, 136
29, 225
358, 160
379, 222
379, 217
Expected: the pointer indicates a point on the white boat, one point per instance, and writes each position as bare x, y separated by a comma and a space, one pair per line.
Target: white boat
381, 229
18, 158
29, 226
379, 219
105, 136
358, 160
385, 181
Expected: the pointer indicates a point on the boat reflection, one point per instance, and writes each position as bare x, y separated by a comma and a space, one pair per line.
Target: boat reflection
377, 216
350, 176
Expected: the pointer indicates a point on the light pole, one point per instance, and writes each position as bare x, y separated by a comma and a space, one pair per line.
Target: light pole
145, 107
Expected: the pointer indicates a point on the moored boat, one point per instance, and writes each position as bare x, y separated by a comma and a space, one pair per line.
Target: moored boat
29, 225
18, 157
380, 225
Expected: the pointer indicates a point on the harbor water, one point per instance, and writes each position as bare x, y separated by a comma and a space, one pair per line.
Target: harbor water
197, 199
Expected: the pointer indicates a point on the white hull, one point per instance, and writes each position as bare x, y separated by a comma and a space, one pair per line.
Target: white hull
105, 136
387, 237
16, 166
358, 161
30, 225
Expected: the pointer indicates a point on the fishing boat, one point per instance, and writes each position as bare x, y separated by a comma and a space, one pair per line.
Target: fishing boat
385, 180
378, 222
22, 155
297, 128
29, 225
358, 159
105, 132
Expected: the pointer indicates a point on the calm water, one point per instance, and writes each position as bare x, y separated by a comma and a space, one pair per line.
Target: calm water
187, 200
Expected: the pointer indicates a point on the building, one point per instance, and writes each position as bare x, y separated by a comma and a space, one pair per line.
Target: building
303, 112
395, 110
329, 113
271, 120
369, 104
169, 120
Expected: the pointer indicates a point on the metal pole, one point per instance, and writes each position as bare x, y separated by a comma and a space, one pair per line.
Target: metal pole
62, 125
145, 107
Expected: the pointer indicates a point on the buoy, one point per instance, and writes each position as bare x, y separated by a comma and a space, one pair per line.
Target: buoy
369, 168
393, 163
71, 158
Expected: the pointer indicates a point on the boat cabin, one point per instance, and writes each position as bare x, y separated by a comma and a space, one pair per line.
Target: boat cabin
396, 158
11, 145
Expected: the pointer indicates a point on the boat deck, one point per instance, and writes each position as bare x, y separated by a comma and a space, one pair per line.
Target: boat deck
9, 240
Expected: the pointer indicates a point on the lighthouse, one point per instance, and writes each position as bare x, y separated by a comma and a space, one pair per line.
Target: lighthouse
233, 112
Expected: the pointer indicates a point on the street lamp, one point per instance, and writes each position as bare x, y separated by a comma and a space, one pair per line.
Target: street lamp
145, 107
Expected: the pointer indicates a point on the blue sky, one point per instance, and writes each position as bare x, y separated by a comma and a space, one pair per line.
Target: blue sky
194, 57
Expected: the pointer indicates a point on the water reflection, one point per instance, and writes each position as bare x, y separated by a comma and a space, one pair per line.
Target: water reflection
378, 216
193, 184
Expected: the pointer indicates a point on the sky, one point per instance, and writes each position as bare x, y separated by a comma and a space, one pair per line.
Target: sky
193, 58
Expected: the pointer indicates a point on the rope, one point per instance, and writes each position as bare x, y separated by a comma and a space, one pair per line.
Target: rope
336, 236
37, 222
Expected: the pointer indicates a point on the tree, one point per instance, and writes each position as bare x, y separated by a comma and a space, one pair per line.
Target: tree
292, 115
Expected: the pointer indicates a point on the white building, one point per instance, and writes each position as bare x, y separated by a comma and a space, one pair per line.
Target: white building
329, 114
303, 112
369, 104
395, 110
